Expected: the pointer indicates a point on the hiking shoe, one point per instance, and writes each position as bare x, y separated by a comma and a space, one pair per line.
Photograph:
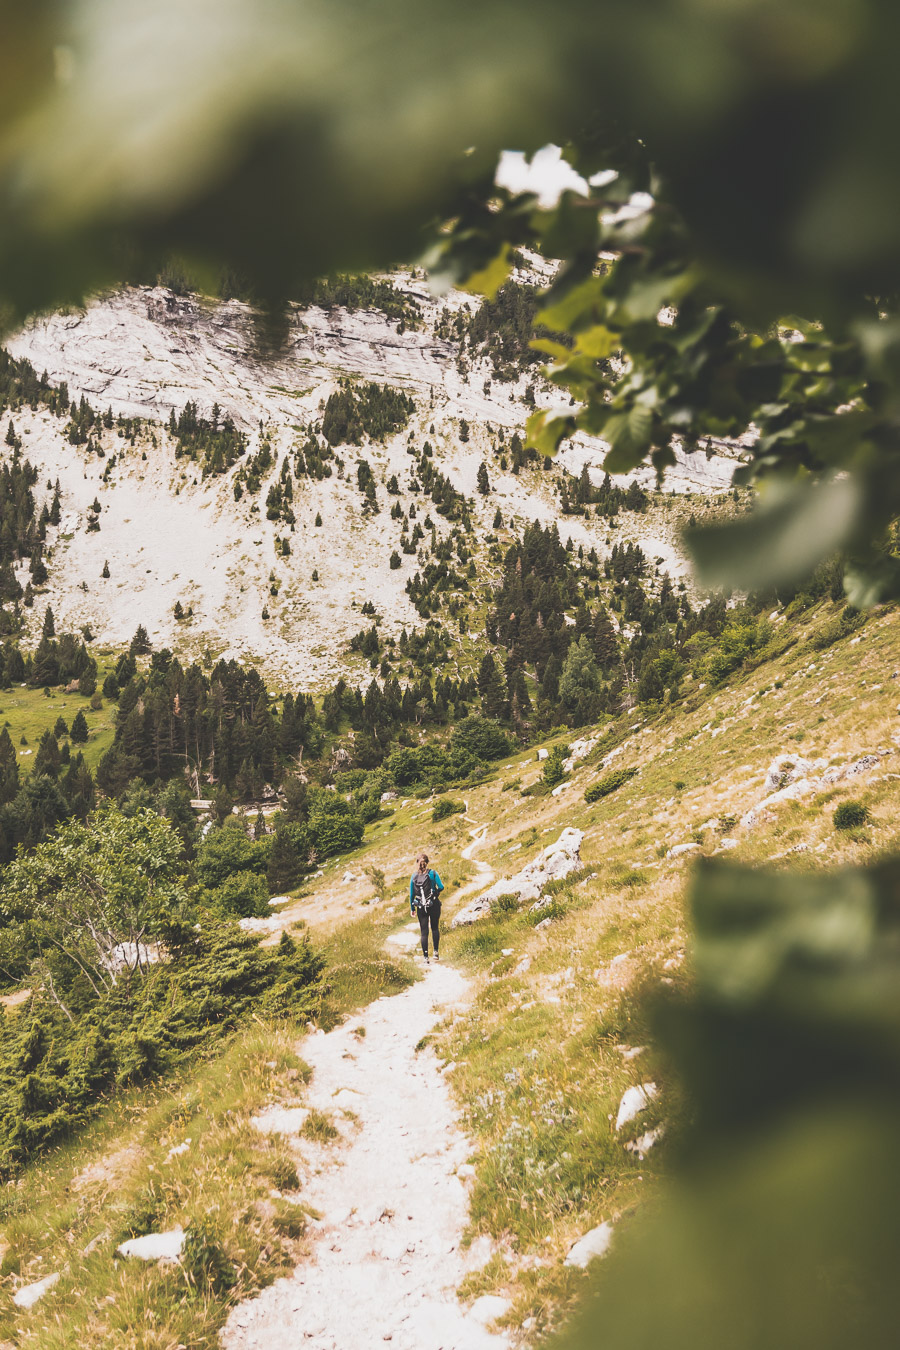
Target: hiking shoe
437, 956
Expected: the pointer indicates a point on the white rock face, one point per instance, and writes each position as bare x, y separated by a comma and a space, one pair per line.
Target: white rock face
594, 1244
30, 1294
787, 769
634, 1101
556, 861
170, 535
154, 1246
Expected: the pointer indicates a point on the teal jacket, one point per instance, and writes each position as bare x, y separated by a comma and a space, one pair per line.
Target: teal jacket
435, 881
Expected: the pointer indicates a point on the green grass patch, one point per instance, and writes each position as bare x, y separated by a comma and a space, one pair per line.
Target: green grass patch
318, 1127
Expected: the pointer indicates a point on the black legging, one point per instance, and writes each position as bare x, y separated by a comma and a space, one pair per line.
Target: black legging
434, 914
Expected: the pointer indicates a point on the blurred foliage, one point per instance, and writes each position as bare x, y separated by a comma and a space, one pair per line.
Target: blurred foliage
268, 140
780, 1227
758, 137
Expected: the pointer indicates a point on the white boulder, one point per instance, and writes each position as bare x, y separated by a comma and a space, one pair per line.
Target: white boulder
579, 750
130, 955
271, 925
29, 1294
488, 1308
588, 1248
154, 1246
680, 850
634, 1101
643, 1144
787, 769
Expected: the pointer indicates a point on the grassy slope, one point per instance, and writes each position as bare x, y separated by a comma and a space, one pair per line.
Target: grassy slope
538, 1061
29, 713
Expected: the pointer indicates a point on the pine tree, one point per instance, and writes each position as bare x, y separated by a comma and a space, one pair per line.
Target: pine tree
285, 867
580, 683
492, 688
47, 760
9, 768
140, 643
49, 627
79, 732
484, 483
105, 572
498, 519
60, 731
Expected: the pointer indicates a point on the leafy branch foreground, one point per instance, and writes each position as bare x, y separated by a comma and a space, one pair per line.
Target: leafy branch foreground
779, 1225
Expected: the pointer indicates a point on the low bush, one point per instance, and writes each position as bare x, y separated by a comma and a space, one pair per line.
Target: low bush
447, 806
847, 622
609, 783
58, 1065
850, 816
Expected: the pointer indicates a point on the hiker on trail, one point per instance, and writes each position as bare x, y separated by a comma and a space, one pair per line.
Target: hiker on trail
425, 888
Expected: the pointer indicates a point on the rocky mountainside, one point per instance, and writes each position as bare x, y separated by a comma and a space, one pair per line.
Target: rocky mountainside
172, 536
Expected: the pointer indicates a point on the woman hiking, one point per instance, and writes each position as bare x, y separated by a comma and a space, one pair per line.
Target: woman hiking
425, 888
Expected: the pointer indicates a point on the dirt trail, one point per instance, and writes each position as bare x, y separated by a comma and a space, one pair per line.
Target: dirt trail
485, 874
387, 1258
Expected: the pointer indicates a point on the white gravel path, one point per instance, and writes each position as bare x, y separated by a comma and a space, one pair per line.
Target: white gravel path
387, 1259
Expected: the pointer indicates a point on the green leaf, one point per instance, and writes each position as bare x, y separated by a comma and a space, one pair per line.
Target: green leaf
794, 528
629, 435
550, 348
575, 309
545, 430
489, 279
598, 342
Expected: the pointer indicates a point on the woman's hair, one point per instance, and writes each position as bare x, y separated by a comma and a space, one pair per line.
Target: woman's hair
422, 857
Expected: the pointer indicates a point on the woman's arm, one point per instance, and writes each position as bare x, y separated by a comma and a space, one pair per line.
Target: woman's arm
439, 885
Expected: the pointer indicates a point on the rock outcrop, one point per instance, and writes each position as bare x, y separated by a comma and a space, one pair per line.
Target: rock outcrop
790, 778
555, 862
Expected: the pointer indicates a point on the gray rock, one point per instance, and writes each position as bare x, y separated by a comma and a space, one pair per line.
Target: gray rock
556, 861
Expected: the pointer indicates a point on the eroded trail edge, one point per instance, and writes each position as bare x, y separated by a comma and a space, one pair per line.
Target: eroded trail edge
387, 1258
